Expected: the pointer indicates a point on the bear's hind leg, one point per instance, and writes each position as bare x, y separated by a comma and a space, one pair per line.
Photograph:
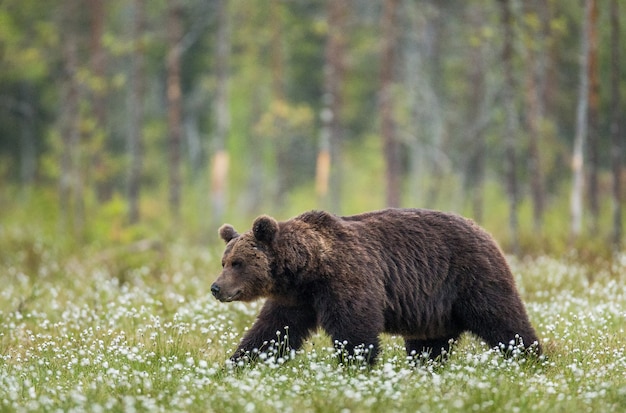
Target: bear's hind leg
507, 339
433, 349
500, 332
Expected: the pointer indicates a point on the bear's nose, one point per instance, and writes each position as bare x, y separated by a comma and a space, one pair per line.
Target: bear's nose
215, 289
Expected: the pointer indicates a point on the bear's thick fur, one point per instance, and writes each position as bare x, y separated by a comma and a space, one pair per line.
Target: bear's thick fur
424, 275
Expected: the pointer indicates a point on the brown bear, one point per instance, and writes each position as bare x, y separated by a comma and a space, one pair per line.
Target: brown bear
424, 275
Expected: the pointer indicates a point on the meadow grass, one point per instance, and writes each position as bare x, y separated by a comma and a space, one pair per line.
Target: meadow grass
90, 332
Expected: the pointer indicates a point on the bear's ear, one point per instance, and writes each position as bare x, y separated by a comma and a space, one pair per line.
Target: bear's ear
265, 229
227, 232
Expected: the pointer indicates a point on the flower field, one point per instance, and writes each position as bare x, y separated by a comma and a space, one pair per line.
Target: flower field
118, 331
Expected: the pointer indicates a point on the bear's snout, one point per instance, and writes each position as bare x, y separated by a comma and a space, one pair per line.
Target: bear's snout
225, 293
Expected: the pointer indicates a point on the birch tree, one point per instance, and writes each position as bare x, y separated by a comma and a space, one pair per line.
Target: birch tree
578, 179
593, 138
328, 168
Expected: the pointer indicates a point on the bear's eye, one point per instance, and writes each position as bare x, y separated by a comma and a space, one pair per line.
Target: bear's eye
236, 264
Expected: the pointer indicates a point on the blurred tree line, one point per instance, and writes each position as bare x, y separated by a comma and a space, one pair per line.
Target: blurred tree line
118, 113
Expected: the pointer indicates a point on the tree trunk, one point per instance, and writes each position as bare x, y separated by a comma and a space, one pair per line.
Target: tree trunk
98, 58
28, 139
282, 145
135, 136
277, 50
576, 201
508, 88
99, 169
617, 146
594, 118
328, 174
255, 194
549, 72
70, 185
68, 130
174, 100
219, 163
475, 171
391, 145
534, 115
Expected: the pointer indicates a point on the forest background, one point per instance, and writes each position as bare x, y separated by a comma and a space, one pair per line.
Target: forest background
123, 122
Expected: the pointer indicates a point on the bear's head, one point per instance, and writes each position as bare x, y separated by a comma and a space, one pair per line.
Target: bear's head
247, 262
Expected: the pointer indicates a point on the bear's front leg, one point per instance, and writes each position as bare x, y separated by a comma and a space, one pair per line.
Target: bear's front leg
279, 326
354, 330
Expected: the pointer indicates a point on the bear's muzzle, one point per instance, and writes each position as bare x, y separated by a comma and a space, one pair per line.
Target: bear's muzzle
222, 295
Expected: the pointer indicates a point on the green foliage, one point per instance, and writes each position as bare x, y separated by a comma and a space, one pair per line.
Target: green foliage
276, 74
25, 36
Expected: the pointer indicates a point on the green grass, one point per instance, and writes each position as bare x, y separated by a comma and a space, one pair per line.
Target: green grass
113, 331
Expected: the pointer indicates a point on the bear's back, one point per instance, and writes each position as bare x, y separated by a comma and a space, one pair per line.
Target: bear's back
418, 235
415, 221
432, 243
